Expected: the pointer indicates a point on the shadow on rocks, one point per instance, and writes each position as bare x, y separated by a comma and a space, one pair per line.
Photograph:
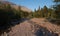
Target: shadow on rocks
45, 32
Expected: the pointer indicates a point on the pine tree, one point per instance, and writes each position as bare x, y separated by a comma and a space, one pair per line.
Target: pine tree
45, 10
57, 9
50, 13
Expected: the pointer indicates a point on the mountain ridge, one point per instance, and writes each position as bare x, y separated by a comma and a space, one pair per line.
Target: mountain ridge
23, 8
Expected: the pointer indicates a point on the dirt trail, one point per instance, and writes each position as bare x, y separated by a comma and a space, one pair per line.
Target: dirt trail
51, 27
23, 29
32, 28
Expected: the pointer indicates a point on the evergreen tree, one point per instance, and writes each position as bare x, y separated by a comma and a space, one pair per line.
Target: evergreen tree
45, 10
57, 9
50, 13
42, 12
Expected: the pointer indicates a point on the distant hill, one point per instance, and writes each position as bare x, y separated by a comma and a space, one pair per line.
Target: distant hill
23, 8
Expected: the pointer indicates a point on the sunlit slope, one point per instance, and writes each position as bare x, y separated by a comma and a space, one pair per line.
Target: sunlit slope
23, 8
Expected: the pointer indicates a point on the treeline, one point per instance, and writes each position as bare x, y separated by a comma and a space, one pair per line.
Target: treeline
45, 12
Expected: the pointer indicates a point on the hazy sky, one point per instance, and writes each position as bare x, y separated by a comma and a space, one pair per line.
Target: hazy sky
32, 4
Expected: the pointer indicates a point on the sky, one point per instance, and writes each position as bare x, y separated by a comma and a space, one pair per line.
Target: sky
33, 4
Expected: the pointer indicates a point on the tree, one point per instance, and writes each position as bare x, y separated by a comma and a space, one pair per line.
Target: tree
50, 13
57, 9
45, 10
56, 0
37, 13
42, 12
38, 9
35, 10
